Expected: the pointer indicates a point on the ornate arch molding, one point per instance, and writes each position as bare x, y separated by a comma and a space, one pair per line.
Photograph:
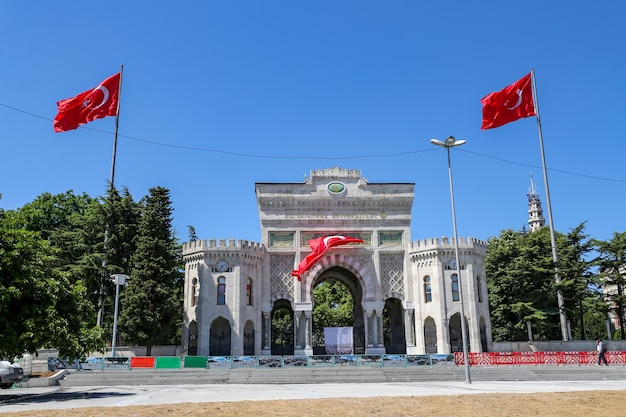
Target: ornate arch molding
393, 294
288, 297
347, 262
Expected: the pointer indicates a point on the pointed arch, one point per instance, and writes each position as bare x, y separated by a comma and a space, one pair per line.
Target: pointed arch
483, 334
219, 337
345, 261
393, 327
282, 328
192, 340
248, 338
430, 335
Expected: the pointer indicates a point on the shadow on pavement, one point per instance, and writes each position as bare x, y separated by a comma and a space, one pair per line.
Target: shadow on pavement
56, 396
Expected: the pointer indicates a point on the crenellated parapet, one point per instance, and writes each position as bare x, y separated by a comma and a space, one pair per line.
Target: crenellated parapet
212, 248
221, 244
426, 249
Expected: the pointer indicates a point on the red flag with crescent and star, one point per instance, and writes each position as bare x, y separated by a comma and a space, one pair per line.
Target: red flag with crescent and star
509, 104
319, 246
89, 105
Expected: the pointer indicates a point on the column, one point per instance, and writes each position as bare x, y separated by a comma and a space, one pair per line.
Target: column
297, 328
266, 329
308, 318
409, 327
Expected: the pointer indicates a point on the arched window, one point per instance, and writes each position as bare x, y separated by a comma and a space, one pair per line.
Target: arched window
249, 292
479, 291
221, 291
428, 295
455, 287
194, 292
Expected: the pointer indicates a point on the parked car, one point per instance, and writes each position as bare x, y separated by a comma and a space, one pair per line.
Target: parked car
10, 373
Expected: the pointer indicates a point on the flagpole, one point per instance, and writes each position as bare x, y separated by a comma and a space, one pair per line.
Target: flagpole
100, 316
117, 122
555, 258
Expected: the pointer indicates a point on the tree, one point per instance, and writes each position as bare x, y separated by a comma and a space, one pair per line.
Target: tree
611, 262
151, 303
578, 282
192, 233
520, 280
333, 308
72, 225
121, 219
40, 307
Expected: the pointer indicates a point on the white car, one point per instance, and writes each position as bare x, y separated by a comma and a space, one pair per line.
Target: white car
10, 373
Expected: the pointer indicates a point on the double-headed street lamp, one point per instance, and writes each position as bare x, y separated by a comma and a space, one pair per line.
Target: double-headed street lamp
118, 279
451, 142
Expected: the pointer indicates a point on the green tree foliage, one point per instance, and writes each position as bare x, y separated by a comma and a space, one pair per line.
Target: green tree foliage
121, 220
520, 280
578, 283
73, 226
40, 307
333, 305
282, 328
151, 303
122, 216
611, 263
192, 233
522, 287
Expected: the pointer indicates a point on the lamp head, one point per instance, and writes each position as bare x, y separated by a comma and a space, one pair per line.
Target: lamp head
451, 141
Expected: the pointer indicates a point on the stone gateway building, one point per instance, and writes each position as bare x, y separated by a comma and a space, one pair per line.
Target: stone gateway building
406, 294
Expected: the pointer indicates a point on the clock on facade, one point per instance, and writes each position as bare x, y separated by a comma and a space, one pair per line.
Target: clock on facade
452, 263
222, 265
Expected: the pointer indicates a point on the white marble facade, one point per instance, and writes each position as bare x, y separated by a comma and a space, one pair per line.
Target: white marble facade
405, 292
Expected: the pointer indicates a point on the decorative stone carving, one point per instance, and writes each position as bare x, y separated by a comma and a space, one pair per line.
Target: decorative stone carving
281, 281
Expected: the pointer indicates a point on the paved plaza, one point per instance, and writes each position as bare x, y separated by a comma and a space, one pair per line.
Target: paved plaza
66, 397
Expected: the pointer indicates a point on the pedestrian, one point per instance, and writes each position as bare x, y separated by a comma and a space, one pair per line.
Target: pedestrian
601, 348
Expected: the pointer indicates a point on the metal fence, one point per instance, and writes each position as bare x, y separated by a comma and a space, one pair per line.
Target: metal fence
252, 362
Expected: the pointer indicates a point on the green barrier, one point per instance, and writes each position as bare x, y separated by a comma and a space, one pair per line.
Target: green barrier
195, 362
167, 362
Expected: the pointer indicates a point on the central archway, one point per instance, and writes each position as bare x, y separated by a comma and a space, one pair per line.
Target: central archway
348, 280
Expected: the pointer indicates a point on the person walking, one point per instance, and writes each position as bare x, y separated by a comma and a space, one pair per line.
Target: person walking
601, 348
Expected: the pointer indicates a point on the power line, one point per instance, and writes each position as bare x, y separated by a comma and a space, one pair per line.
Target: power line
537, 166
260, 156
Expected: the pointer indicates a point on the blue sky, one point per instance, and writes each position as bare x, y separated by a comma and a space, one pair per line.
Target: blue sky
218, 95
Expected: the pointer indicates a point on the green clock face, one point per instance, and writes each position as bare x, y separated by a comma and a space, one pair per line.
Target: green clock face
222, 265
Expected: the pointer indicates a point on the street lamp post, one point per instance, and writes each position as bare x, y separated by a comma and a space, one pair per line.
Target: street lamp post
449, 143
118, 279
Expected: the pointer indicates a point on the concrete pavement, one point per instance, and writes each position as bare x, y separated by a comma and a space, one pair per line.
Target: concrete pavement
97, 396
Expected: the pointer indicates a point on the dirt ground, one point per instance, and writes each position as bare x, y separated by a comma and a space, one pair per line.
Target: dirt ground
567, 404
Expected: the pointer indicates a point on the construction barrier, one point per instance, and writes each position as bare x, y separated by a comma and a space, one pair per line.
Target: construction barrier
339, 361
142, 362
538, 358
167, 362
194, 362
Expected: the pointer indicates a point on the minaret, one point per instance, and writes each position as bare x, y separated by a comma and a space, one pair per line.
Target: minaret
535, 212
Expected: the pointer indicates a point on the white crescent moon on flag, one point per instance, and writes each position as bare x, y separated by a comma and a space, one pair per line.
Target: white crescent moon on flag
104, 99
519, 101
328, 238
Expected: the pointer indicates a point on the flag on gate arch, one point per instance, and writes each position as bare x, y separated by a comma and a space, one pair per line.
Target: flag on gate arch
319, 246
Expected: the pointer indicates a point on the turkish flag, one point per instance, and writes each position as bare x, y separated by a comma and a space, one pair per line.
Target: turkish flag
89, 105
509, 104
319, 246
